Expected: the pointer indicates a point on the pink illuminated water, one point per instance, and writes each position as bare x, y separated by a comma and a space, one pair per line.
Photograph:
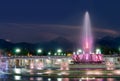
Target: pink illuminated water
87, 38
87, 45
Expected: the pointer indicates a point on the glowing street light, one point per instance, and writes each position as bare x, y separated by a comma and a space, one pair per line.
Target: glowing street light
55, 54
64, 54
59, 51
79, 51
39, 51
98, 51
17, 50
49, 53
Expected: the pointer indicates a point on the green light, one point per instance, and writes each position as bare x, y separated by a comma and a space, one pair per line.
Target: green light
49, 53
17, 50
39, 51
55, 54
59, 50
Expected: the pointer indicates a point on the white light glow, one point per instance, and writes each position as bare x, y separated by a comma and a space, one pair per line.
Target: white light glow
59, 50
17, 50
59, 79
17, 77
98, 51
17, 71
39, 50
49, 79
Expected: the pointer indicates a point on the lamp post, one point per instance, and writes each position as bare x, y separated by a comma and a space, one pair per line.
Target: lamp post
98, 51
39, 51
17, 51
59, 51
49, 53
79, 51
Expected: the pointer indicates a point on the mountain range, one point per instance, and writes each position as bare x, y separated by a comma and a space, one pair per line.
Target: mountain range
60, 42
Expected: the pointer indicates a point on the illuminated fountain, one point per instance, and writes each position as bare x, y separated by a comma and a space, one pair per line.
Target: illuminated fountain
87, 55
3, 64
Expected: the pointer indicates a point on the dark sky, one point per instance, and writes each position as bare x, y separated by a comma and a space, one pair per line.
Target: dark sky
43, 20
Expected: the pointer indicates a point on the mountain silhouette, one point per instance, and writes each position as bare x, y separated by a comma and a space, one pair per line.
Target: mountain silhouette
60, 42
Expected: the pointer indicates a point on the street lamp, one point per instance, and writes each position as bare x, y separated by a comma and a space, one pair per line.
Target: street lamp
55, 54
39, 51
98, 51
59, 51
79, 51
49, 53
17, 50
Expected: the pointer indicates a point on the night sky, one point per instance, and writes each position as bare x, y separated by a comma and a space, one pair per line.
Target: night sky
43, 20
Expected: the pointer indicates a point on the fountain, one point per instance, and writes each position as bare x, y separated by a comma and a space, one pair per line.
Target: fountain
87, 55
3, 64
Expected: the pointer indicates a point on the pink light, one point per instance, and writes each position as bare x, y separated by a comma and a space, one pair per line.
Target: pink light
86, 44
32, 66
87, 57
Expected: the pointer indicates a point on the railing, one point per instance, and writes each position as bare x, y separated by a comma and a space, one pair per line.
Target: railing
27, 57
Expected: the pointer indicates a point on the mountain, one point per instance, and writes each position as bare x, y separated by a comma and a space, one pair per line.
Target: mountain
5, 44
112, 42
60, 42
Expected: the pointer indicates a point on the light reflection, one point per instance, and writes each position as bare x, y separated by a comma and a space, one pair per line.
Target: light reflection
110, 65
17, 71
62, 79
95, 72
48, 72
39, 79
39, 73
31, 79
59, 79
110, 79
117, 72
86, 78
65, 79
17, 77
49, 79
63, 73
58, 61
64, 66
99, 79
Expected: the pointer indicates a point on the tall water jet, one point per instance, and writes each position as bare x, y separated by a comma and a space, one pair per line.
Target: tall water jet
87, 38
87, 45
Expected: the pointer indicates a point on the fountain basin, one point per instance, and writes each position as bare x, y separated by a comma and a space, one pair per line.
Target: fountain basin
87, 58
